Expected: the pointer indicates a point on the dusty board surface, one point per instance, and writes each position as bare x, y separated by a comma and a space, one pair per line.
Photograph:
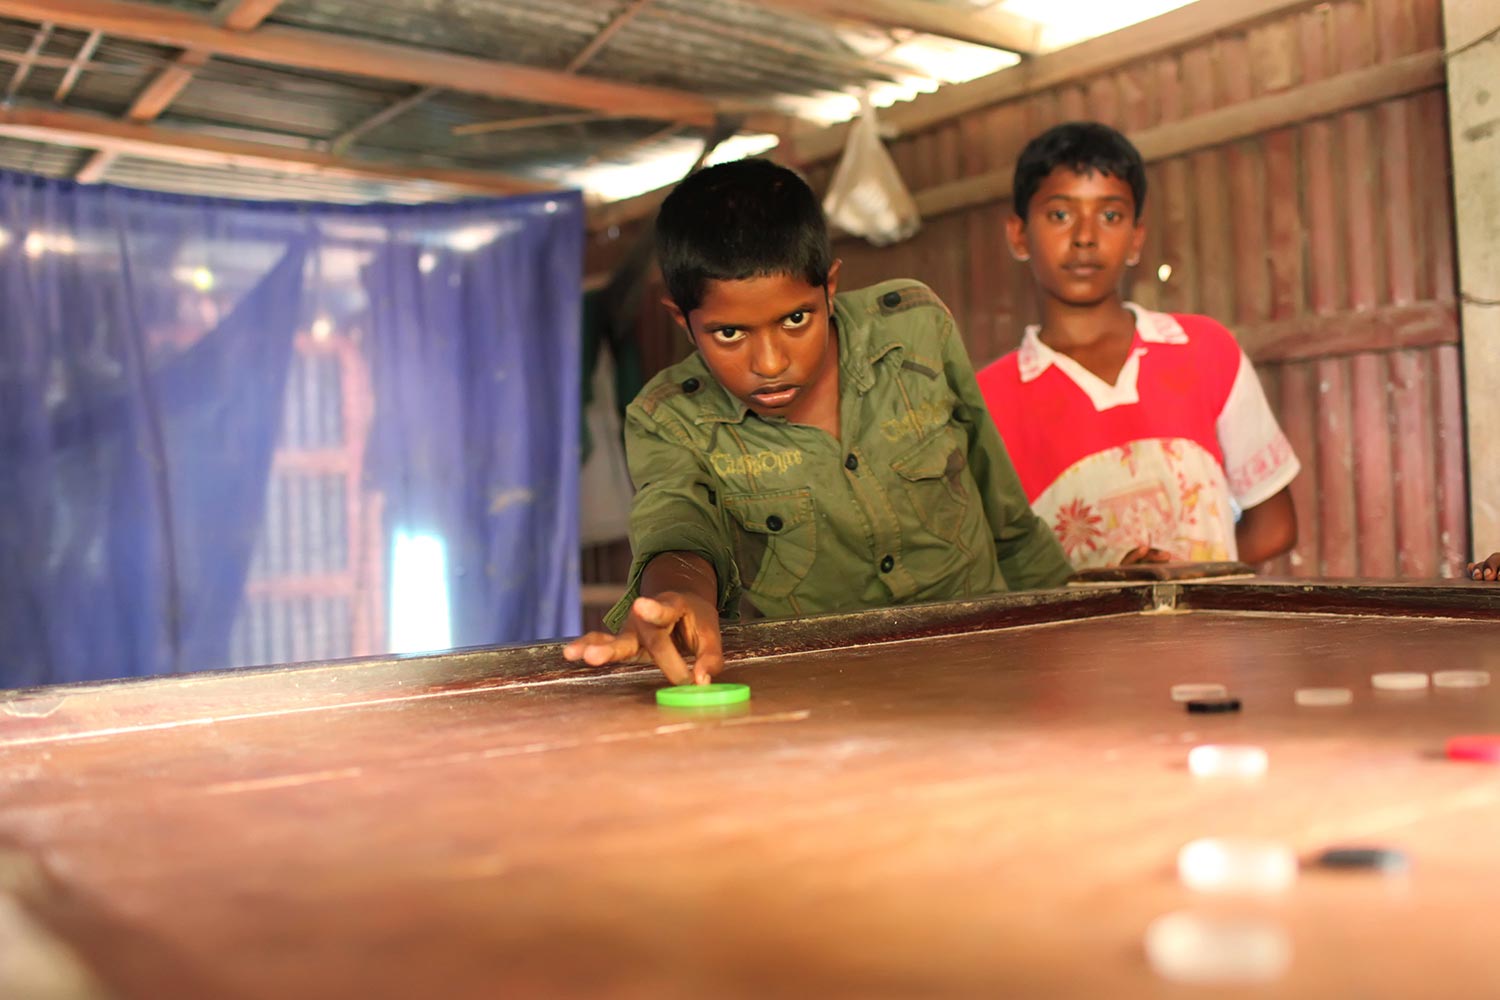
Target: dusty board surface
994, 812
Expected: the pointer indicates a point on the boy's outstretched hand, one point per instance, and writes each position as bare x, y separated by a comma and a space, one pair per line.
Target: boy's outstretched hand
660, 630
1487, 570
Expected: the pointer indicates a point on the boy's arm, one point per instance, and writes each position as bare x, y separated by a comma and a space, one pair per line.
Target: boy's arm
683, 576
675, 614
1029, 553
1268, 529
1258, 461
674, 510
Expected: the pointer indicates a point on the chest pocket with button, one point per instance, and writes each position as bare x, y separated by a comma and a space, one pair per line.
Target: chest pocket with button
776, 539
932, 473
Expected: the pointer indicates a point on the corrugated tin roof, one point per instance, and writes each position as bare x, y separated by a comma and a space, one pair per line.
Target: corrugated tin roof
543, 33
300, 108
265, 185
731, 50
269, 99
40, 158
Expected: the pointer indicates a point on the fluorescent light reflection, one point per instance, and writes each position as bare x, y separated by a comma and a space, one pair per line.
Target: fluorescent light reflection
419, 594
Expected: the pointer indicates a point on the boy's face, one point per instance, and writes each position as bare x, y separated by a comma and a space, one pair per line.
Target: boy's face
1080, 233
767, 341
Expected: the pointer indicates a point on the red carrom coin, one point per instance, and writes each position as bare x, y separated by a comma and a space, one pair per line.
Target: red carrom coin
1482, 747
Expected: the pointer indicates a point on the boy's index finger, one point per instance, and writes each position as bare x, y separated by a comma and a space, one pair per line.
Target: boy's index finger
708, 645
707, 666
664, 653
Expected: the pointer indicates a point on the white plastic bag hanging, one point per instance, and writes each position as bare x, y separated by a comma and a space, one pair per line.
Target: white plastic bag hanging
867, 196
604, 488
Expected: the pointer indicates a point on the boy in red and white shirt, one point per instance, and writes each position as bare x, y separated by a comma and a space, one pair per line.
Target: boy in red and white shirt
1136, 434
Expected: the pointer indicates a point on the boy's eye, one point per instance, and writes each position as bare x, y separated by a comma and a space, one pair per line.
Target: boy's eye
1057, 214
729, 334
796, 320
1111, 215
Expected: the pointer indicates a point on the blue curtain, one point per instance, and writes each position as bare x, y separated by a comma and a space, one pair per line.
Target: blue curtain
145, 346
475, 350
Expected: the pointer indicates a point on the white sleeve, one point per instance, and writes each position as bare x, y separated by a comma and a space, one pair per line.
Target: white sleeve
1258, 459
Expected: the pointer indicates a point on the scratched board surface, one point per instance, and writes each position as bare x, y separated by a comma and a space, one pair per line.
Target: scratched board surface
991, 813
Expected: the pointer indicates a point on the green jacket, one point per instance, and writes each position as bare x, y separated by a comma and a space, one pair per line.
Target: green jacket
918, 502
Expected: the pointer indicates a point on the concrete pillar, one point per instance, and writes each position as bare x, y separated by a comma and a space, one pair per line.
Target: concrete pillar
1472, 37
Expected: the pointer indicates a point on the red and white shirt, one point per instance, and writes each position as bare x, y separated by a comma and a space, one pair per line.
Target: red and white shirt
1167, 456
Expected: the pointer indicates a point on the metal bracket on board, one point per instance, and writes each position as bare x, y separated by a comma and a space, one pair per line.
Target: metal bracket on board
1164, 596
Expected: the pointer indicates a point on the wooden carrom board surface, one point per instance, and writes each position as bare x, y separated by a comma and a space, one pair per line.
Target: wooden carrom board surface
977, 799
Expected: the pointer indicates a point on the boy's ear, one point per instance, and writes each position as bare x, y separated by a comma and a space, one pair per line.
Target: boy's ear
832, 284
1015, 237
677, 315
675, 312
1137, 243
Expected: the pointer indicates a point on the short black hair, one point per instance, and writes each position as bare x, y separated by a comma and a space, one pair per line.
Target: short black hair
1082, 147
745, 219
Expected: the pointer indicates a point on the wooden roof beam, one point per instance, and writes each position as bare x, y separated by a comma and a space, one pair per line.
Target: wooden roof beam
75, 68
245, 15
622, 17
147, 106
64, 63
532, 121
385, 115
993, 28
23, 68
71, 128
169, 83
331, 53
164, 88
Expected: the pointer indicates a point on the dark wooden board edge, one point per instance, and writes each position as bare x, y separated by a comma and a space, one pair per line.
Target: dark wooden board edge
74, 711
1420, 599
99, 708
